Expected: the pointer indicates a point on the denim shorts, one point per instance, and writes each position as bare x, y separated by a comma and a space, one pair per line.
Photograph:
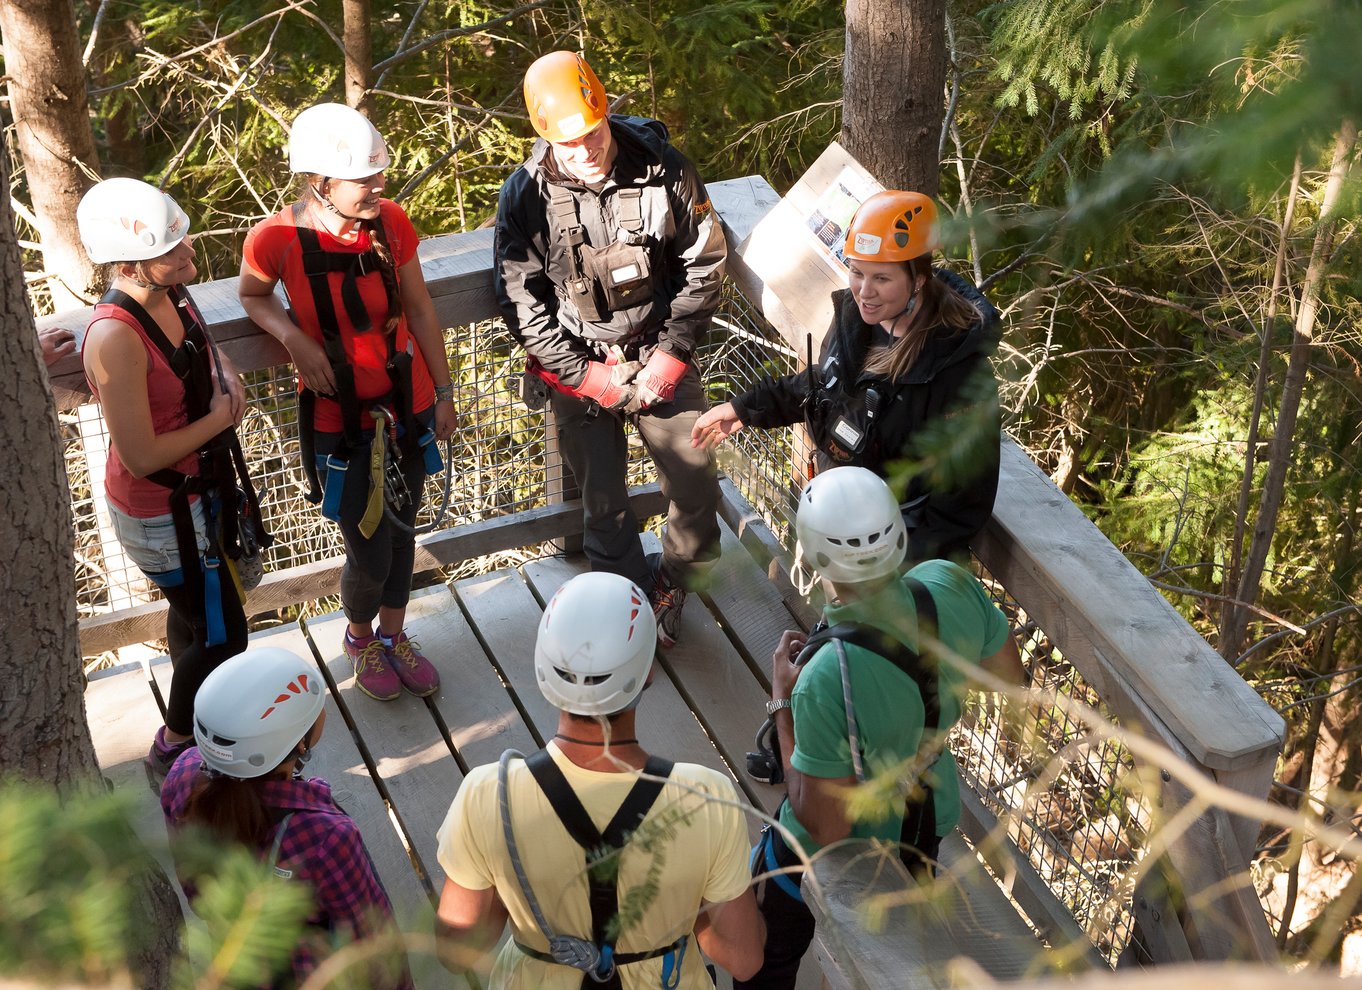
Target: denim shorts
150, 542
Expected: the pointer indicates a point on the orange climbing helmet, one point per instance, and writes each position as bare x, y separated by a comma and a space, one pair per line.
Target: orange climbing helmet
892, 226
563, 96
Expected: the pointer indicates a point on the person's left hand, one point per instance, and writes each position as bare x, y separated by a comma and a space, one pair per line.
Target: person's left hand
56, 343
446, 420
784, 673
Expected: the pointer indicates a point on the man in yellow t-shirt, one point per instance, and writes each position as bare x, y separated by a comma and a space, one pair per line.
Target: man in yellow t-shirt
681, 880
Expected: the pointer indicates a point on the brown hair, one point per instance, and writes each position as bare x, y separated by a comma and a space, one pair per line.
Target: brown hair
378, 241
938, 307
231, 809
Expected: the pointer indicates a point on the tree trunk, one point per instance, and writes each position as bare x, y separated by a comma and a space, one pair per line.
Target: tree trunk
52, 123
893, 85
359, 62
43, 735
1280, 455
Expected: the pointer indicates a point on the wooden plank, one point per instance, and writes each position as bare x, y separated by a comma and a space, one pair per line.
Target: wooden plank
666, 724
505, 615
306, 582
410, 754
480, 715
725, 694
1039, 538
767, 551
747, 605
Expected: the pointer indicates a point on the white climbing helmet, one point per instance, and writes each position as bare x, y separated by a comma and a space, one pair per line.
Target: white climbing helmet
251, 711
128, 220
595, 644
336, 141
849, 526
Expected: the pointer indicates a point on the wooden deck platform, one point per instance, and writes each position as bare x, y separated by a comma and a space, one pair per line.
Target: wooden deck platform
395, 766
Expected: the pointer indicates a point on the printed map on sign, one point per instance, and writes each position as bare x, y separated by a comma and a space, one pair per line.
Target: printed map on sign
832, 213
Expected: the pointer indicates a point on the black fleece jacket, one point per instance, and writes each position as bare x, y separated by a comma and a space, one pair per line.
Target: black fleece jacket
951, 375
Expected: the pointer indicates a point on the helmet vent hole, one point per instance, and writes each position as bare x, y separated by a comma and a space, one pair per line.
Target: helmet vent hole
855, 541
835, 542
823, 560
872, 539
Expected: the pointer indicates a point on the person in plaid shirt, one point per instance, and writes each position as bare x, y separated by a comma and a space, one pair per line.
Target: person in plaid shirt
256, 719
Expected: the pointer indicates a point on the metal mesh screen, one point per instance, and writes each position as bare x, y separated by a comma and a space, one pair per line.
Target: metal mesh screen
1066, 794
497, 456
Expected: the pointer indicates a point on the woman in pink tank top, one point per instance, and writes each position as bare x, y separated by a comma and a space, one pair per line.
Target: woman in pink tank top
169, 401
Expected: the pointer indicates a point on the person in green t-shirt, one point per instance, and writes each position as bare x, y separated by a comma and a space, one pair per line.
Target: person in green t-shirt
851, 533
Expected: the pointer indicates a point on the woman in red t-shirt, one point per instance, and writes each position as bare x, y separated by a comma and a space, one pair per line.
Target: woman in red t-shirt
365, 341
170, 403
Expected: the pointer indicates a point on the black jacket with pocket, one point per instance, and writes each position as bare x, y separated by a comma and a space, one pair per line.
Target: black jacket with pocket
950, 376
684, 240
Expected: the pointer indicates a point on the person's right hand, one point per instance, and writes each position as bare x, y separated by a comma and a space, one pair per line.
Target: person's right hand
56, 343
309, 357
714, 426
227, 407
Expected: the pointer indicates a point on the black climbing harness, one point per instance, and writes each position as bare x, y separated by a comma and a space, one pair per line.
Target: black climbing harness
595, 957
234, 526
390, 414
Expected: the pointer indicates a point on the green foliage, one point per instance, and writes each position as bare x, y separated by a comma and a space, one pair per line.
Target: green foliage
251, 919
73, 876
68, 877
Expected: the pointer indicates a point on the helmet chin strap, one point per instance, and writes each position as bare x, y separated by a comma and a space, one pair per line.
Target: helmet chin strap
144, 284
330, 207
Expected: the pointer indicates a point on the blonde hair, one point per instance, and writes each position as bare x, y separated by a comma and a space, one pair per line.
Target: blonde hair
938, 306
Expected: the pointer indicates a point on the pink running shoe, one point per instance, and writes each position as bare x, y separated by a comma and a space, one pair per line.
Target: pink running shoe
418, 674
373, 673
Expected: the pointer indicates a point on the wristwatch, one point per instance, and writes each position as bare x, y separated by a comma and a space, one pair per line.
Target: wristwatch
776, 704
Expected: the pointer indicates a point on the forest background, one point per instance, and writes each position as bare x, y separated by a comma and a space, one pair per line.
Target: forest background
1163, 199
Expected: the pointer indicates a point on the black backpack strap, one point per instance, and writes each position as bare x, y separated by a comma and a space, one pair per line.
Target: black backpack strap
555, 786
565, 224
929, 685
629, 216
604, 892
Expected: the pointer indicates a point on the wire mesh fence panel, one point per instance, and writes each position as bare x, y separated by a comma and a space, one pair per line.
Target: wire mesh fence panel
497, 467
1071, 798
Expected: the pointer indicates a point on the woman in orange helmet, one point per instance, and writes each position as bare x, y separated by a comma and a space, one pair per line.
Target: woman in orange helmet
909, 346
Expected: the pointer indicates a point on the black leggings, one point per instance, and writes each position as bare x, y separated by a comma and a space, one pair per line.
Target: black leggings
192, 658
377, 571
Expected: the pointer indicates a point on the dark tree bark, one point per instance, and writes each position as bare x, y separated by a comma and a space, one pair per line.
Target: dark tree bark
52, 124
893, 86
359, 59
43, 735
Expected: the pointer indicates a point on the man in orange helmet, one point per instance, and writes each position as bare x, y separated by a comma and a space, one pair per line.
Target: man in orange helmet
608, 268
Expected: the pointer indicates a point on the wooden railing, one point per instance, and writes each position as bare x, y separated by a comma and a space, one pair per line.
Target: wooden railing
1150, 668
